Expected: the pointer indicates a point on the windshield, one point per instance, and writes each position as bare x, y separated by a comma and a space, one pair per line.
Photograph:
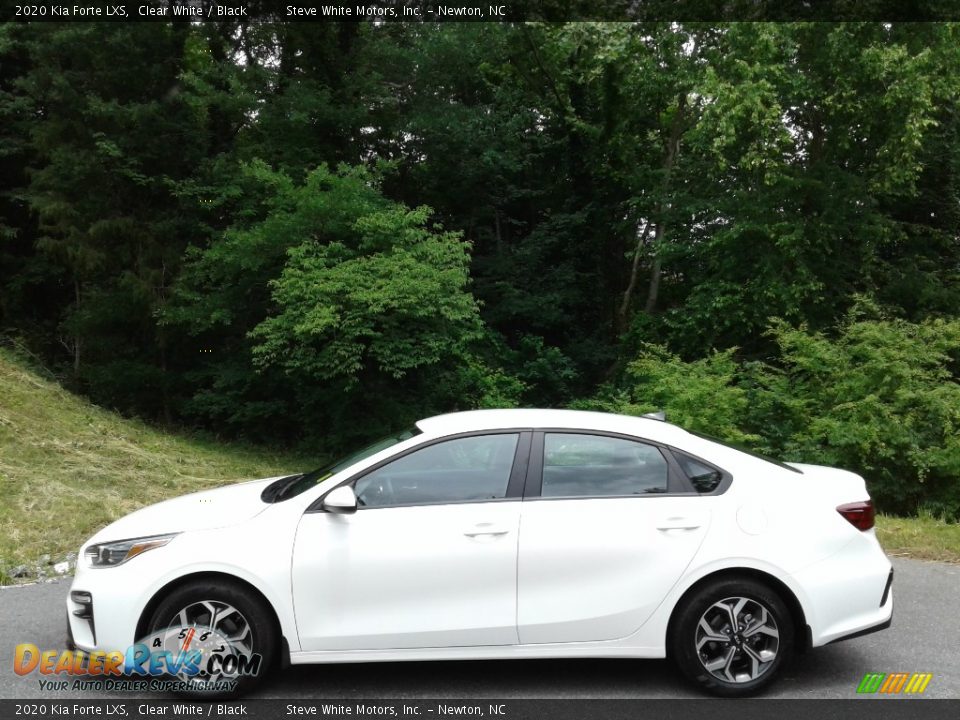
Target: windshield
291, 486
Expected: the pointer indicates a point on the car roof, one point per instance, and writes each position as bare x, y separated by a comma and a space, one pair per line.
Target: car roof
475, 420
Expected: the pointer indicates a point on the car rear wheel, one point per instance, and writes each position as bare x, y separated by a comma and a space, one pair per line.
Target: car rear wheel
222, 619
732, 637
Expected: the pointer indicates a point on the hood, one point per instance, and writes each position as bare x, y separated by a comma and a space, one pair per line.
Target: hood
204, 510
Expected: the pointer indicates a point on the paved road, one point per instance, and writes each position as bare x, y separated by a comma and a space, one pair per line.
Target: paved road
925, 637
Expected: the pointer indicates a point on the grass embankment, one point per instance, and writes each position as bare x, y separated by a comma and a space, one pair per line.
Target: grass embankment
925, 538
67, 467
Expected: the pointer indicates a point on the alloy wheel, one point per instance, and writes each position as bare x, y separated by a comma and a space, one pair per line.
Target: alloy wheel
230, 630
737, 639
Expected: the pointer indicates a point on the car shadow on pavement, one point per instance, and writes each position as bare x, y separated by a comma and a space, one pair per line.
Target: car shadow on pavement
829, 672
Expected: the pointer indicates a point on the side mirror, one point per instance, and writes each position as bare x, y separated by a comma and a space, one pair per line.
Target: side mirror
341, 501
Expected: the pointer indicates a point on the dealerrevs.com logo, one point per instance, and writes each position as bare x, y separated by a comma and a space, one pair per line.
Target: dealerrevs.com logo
188, 659
895, 683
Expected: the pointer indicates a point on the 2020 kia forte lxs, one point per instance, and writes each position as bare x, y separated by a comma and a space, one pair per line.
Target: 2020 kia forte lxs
506, 534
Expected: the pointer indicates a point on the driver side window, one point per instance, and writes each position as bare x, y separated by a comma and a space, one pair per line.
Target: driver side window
469, 469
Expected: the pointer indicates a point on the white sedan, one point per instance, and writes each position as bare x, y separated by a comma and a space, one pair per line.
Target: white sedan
503, 534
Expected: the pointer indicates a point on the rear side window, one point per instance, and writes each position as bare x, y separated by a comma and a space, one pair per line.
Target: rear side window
705, 479
578, 465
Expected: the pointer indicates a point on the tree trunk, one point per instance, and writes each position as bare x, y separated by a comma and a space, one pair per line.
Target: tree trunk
76, 338
669, 160
623, 313
653, 291
165, 407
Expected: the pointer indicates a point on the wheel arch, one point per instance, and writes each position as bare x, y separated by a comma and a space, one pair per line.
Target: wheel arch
802, 631
143, 623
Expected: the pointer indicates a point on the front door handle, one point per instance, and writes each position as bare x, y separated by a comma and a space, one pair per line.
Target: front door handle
482, 529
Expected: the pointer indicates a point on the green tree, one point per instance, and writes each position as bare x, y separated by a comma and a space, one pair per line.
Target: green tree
815, 140
114, 141
352, 306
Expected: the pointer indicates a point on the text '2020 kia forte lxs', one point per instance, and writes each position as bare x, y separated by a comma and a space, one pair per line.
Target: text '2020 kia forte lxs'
502, 534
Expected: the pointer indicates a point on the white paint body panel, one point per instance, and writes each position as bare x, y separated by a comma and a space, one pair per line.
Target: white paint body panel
565, 578
572, 586
462, 589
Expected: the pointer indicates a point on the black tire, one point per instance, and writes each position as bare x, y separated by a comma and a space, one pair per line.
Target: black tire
264, 638
743, 671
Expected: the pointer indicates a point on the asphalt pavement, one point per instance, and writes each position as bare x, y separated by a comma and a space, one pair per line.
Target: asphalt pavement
925, 637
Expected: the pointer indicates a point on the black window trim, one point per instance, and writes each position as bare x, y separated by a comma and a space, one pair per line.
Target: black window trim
678, 484
515, 483
726, 479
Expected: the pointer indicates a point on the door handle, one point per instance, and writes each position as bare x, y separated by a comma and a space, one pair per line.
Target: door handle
486, 529
679, 523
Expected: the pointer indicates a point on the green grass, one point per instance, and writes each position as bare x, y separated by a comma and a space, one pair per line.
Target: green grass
924, 538
67, 467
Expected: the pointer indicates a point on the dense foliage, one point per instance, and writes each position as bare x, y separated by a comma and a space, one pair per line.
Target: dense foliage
309, 233
879, 397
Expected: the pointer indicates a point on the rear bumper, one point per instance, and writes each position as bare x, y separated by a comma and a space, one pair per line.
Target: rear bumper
850, 594
884, 600
867, 631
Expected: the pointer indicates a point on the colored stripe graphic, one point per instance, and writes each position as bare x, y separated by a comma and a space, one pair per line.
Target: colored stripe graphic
871, 682
918, 683
895, 683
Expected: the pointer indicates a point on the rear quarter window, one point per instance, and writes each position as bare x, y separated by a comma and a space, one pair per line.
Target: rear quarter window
703, 477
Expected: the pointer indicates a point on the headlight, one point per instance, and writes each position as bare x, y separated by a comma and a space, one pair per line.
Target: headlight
116, 553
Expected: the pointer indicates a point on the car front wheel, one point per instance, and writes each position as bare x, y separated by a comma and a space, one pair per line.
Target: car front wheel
732, 637
231, 627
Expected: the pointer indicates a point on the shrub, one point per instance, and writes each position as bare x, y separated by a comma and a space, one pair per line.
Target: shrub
880, 399
703, 395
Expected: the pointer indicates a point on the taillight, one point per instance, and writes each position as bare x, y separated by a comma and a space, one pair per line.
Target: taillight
858, 514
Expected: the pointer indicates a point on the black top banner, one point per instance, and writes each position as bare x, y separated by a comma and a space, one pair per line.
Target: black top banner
431, 11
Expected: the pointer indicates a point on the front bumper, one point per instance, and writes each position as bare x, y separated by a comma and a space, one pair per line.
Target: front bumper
103, 607
68, 642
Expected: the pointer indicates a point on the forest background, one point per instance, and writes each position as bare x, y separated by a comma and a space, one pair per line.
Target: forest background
302, 236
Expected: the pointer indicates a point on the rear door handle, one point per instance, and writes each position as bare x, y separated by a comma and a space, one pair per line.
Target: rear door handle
678, 523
